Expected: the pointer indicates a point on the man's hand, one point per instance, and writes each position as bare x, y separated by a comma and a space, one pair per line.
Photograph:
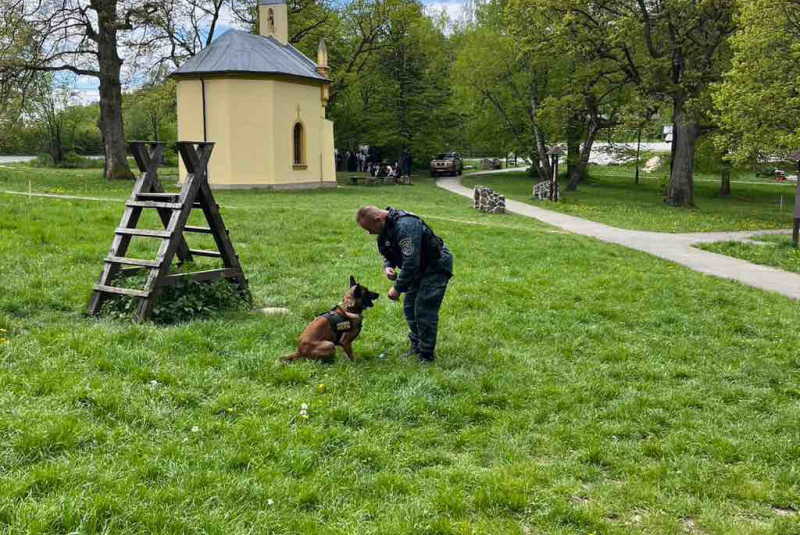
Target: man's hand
394, 295
391, 274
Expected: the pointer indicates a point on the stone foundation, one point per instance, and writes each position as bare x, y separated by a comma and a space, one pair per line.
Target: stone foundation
489, 201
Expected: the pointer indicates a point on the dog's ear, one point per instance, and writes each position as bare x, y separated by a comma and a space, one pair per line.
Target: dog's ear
352, 281
373, 295
357, 292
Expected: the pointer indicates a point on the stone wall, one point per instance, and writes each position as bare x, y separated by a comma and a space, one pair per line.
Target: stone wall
489, 201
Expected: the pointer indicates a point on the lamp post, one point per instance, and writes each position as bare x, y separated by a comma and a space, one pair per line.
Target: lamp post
795, 157
554, 154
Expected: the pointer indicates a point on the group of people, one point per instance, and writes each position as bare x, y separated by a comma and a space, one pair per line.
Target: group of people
370, 161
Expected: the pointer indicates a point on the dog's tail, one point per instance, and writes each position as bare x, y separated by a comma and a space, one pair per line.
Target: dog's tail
287, 358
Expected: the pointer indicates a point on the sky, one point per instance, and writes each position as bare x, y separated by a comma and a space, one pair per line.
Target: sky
86, 87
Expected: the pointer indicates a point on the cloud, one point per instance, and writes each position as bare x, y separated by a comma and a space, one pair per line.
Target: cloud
454, 10
87, 96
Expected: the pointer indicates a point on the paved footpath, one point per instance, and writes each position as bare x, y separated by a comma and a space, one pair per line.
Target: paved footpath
674, 247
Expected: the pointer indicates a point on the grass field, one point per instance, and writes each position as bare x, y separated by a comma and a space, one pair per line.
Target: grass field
611, 197
580, 387
775, 251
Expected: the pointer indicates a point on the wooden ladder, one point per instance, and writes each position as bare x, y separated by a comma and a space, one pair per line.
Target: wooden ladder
174, 210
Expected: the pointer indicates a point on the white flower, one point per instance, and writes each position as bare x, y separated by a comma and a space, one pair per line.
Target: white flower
153, 383
270, 502
304, 406
195, 429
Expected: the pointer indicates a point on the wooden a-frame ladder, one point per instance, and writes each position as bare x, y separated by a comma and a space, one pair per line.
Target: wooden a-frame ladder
174, 210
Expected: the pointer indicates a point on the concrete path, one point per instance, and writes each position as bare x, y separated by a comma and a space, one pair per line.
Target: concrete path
674, 247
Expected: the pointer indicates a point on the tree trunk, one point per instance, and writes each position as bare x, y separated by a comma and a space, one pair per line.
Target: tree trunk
583, 160
111, 122
680, 192
725, 186
638, 154
573, 151
544, 170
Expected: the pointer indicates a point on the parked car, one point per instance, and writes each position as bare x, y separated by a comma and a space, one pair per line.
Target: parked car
447, 163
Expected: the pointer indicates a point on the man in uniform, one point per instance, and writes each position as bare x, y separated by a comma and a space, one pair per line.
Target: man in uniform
426, 266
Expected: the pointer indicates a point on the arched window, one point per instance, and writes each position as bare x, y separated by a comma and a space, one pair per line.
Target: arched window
271, 16
299, 157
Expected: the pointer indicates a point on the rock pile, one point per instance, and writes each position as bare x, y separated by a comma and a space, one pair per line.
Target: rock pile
489, 201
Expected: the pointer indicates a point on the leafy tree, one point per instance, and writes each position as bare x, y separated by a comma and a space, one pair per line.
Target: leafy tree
84, 37
489, 73
671, 50
758, 102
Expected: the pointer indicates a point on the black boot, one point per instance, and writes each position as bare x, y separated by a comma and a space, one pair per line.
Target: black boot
426, 357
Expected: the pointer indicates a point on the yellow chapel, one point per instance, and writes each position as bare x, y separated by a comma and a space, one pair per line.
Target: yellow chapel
262, 102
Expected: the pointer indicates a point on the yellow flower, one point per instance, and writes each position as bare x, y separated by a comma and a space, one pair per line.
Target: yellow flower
321, 388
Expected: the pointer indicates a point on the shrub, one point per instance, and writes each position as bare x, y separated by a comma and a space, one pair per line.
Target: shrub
186, 301
73, 160
43, 160
170, 158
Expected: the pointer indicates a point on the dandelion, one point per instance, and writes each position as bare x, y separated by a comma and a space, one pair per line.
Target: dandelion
321, 388
195, 429
231, 410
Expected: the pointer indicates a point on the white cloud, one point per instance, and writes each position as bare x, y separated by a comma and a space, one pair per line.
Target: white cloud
87, 96
454, 10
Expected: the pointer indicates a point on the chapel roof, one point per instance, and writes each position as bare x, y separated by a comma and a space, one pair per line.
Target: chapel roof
239, 52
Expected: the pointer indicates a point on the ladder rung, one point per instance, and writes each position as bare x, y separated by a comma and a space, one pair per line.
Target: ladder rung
151, 204
201, 252
131, 261
144, 233
158, 195
120, 291
202, 276
199, 230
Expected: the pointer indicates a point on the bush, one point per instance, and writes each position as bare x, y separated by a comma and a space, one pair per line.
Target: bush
170, 158
43, 160
186, 301
73, 160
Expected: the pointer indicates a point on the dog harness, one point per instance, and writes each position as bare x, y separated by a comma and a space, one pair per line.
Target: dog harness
340, 323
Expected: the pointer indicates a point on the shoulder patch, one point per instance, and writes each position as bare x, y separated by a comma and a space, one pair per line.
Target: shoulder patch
407, 247
343, 326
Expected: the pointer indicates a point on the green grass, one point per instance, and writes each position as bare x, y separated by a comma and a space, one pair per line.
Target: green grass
774, 250
580, 387
611, 197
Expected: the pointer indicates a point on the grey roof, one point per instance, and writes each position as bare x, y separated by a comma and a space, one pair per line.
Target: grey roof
272, 2
238, 52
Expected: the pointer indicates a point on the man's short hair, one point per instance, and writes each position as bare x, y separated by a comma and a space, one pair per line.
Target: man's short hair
365, 212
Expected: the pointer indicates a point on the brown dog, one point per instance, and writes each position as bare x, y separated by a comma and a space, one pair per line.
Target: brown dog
339, 327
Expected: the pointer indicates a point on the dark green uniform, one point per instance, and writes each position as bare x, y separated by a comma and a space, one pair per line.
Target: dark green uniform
426, 267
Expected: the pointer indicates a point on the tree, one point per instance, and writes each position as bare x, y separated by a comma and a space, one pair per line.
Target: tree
84, 37
51, 105
673, 50
152, 106
490, 73
758, 103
